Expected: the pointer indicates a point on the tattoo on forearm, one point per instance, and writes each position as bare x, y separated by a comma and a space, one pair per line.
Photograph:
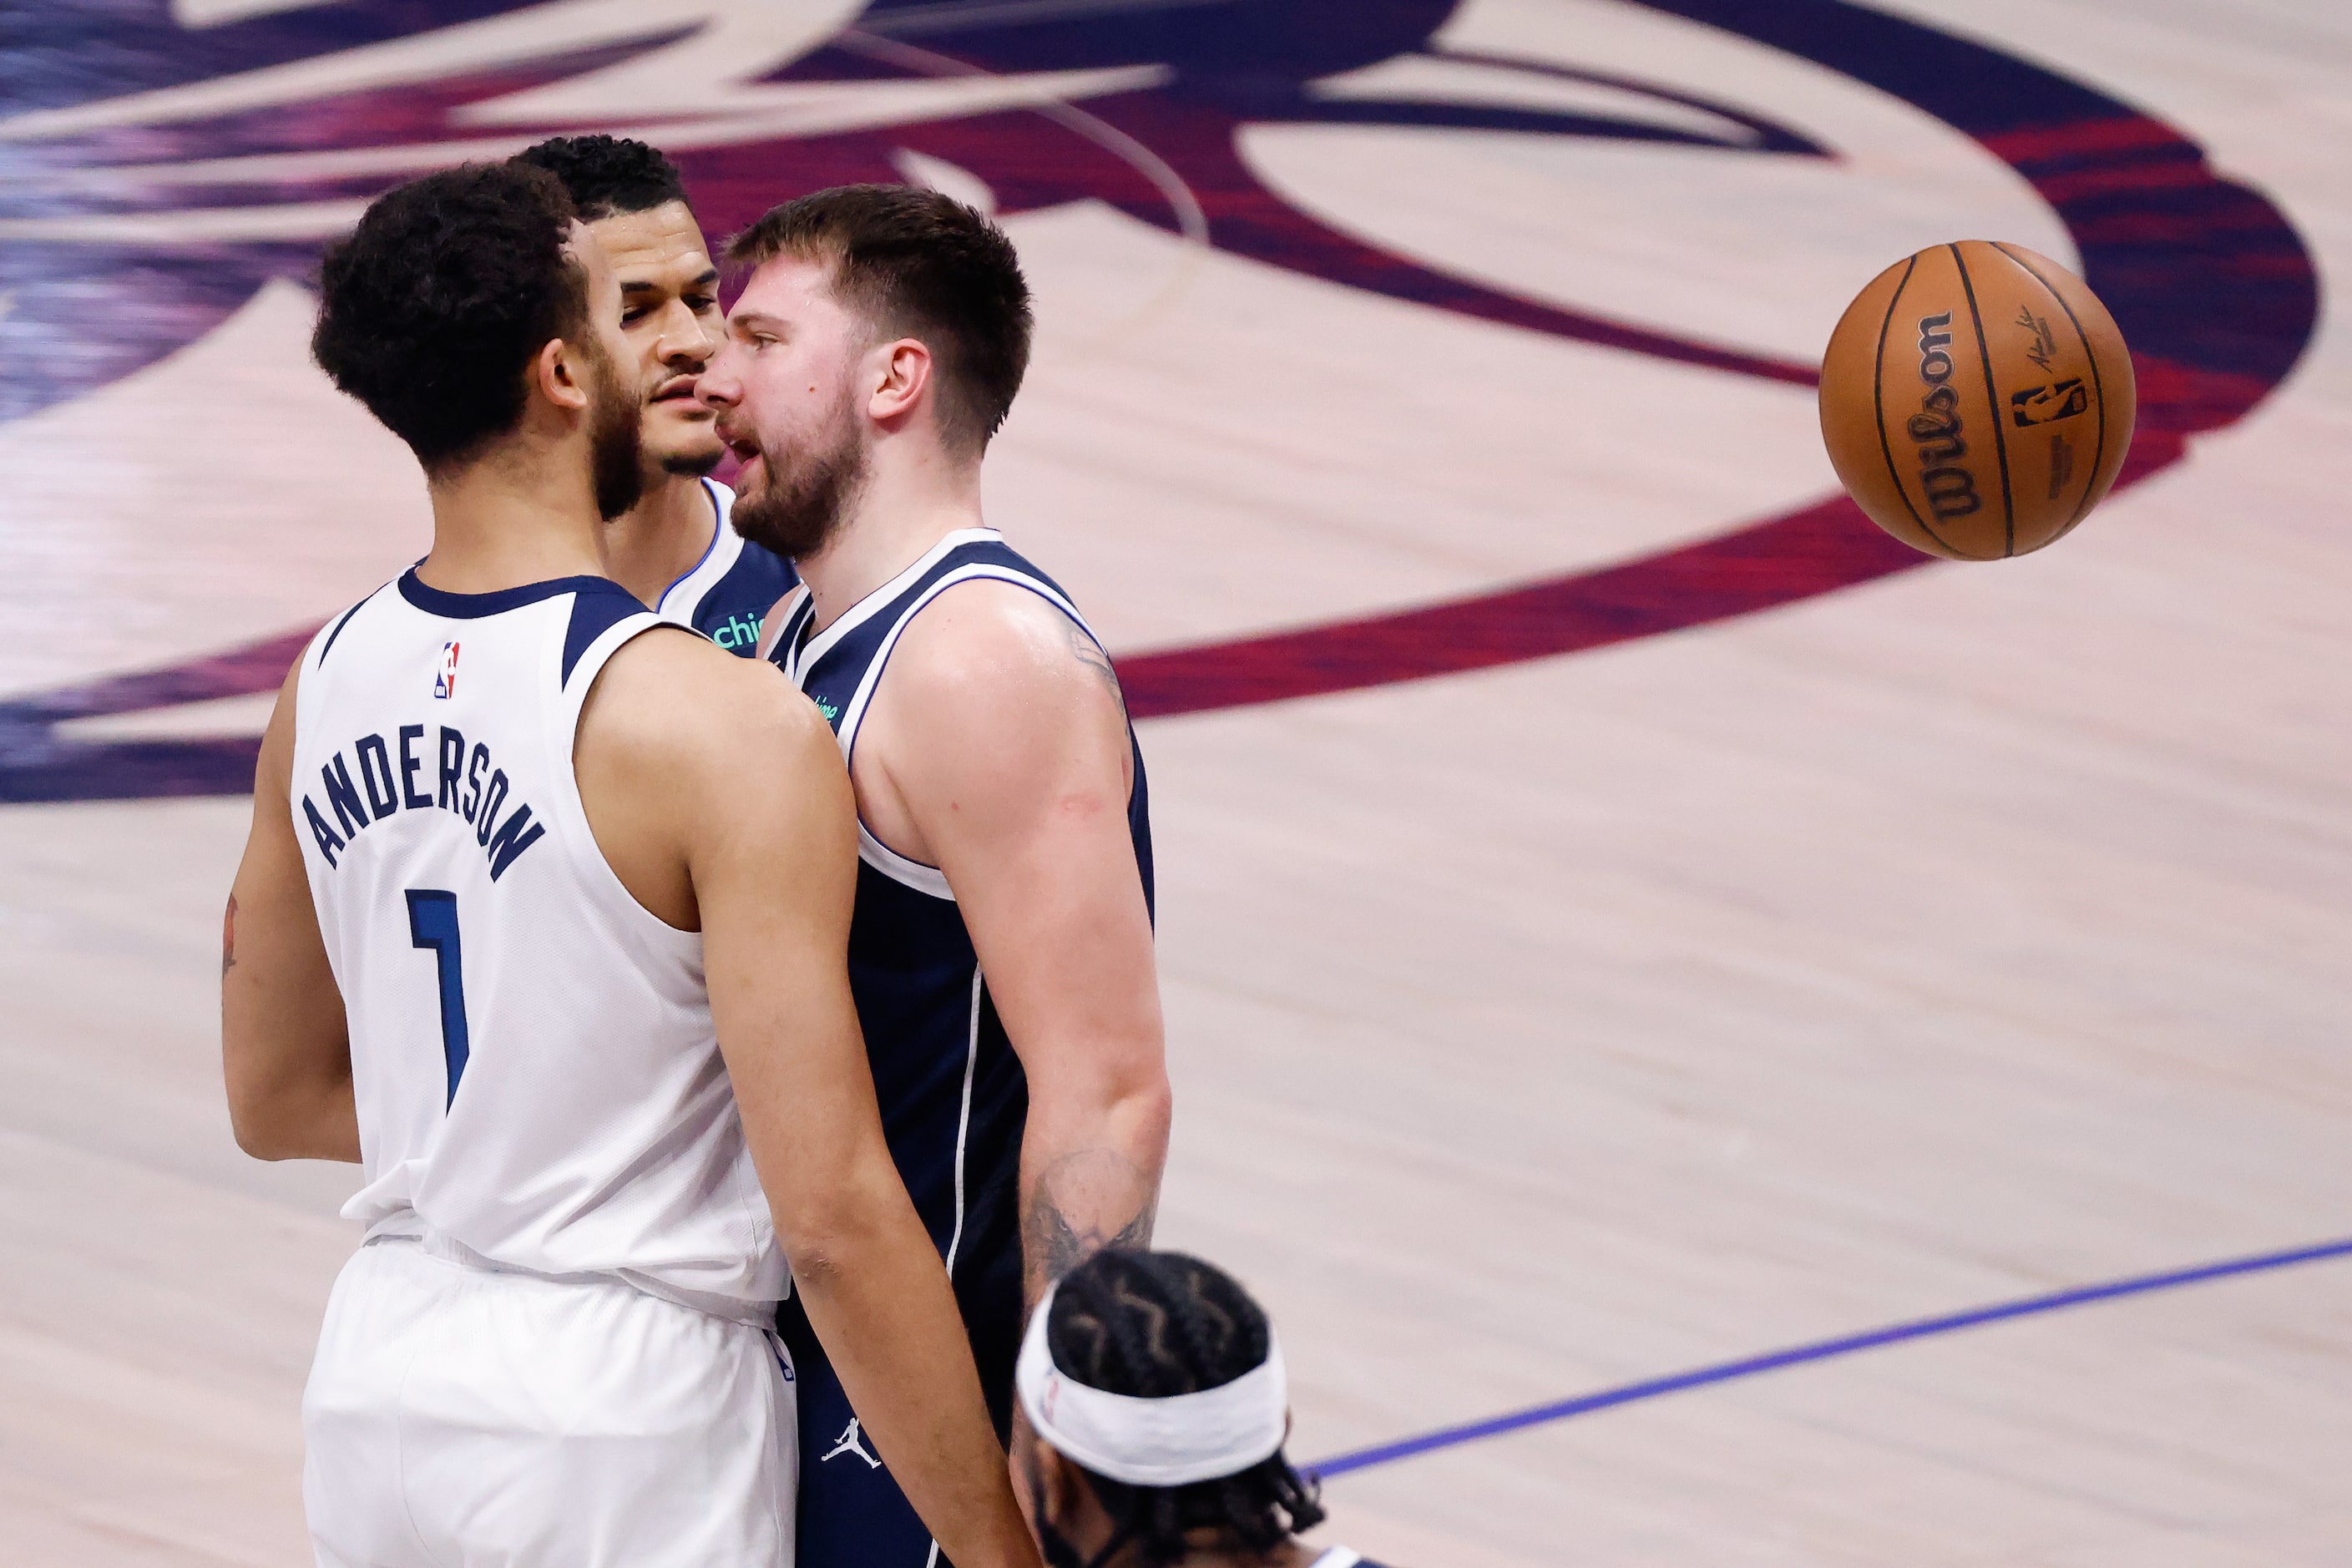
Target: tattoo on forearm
1098, 1185
1083, 650
228, 936
1059, 1246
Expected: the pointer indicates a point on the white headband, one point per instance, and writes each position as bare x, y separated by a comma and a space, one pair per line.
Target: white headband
1168, 1442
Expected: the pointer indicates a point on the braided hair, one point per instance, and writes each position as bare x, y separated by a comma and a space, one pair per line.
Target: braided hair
1155, 1324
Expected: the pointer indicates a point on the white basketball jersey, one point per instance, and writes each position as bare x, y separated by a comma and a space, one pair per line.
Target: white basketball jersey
537, 1076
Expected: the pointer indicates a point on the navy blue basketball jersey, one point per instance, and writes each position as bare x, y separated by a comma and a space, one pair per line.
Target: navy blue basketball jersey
736, 583
953, 1093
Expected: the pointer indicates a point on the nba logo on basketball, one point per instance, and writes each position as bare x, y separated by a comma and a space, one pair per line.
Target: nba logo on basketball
444, 683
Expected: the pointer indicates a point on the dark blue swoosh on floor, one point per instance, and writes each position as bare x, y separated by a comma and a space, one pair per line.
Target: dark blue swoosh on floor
1821, 1349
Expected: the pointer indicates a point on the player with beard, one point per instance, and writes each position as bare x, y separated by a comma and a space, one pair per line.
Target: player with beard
674, 549
509, 934
1001, 949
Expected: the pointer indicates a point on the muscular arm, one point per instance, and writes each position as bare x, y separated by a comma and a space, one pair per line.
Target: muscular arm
717, 794
1000, 754
286, 1051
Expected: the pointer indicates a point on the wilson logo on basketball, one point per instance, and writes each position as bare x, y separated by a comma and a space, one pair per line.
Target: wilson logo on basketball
1951, 489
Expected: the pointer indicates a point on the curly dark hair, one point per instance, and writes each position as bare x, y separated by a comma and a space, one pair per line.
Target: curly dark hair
607, 175
920, 265
431, 310
1153, 1325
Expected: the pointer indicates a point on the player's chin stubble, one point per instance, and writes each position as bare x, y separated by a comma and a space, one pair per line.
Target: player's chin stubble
692, 465
794, 513
704, 451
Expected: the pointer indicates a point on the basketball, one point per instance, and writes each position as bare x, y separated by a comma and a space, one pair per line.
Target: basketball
1977, 400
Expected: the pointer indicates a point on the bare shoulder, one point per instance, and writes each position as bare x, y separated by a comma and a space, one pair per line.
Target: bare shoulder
289, 692
989, 651
274, 769
996, 706
673, 698
694, 763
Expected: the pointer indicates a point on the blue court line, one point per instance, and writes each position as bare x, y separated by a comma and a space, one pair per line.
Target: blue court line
1821, 1349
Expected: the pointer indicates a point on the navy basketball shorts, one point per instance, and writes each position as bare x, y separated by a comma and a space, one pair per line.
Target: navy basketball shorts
852, 1514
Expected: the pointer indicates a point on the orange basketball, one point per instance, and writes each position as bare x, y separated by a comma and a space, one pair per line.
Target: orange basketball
1977, 400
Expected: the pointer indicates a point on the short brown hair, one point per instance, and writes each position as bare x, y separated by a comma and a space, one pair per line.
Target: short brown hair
920, 265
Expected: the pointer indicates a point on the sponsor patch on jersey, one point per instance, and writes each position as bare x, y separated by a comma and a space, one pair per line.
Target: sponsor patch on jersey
445, 683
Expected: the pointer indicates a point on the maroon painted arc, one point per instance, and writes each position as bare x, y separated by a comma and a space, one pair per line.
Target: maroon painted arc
2207, 277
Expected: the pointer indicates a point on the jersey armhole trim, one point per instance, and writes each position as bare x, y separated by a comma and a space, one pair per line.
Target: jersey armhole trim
853, 715
873, 603
580, 836
345, 620
314, 656
784, 653
717, 531
901, 868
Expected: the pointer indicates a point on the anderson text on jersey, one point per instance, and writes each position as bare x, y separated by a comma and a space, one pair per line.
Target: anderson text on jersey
471, 786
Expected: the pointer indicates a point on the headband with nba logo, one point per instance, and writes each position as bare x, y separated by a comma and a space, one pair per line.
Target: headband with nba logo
1168, 1442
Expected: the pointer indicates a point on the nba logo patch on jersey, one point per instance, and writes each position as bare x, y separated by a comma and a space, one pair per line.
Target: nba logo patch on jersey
444, 683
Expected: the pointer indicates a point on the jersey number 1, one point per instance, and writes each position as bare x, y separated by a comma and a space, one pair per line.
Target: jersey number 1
433, 922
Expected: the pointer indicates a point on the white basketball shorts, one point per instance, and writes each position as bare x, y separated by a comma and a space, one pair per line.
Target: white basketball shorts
460, 1416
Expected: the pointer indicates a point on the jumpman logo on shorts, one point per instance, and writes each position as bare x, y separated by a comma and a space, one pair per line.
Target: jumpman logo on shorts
849, 1444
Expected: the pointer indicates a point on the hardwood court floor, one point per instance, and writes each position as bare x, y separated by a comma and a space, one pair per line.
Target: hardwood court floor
1973, 933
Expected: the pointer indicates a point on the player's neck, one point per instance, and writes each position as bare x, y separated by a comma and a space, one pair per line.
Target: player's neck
903, 510
507, 520
662, 538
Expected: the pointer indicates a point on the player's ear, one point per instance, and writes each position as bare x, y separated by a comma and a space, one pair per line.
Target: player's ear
902, 370
555, 375
1057, 1480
